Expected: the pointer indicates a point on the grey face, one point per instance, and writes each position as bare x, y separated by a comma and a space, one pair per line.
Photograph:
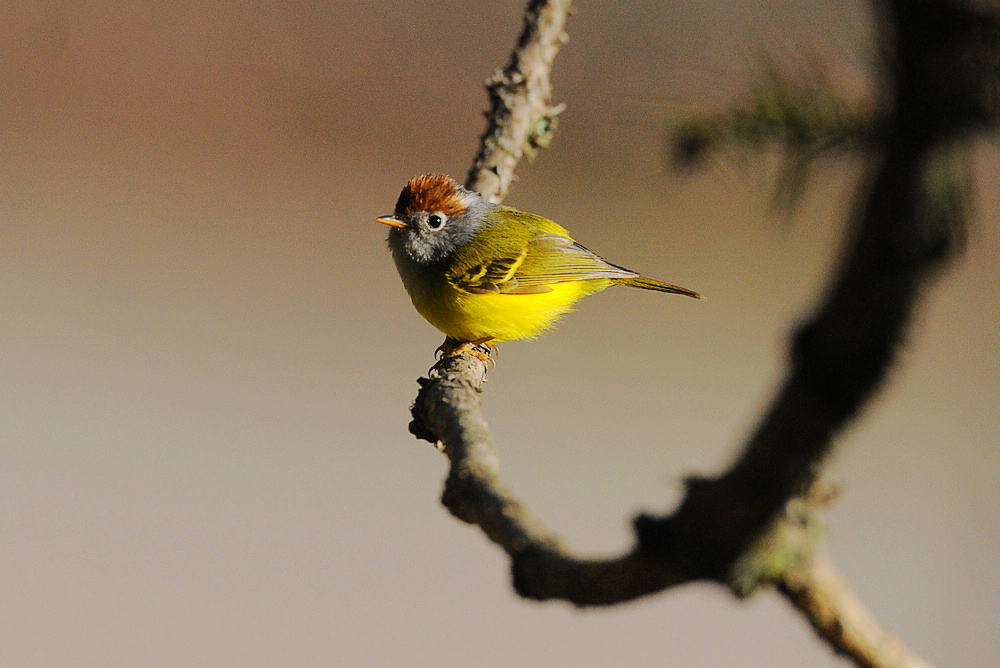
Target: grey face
432, 236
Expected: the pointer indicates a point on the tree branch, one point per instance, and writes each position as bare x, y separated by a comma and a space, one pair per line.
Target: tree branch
521, 118
816, 588
904, 229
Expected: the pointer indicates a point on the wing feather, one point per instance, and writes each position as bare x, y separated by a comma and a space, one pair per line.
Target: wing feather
550, 256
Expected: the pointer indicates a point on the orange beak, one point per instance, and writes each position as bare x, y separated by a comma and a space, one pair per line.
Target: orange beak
390, 220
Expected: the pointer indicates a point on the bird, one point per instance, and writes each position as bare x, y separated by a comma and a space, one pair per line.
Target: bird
484, 273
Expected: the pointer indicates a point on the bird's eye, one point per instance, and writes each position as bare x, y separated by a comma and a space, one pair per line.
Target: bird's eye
436, 221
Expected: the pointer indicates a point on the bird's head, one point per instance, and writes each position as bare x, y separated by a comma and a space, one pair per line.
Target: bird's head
434, 215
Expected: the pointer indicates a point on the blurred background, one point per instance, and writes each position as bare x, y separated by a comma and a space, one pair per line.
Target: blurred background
208, 358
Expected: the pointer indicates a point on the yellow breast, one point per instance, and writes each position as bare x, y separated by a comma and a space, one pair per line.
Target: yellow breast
466, 316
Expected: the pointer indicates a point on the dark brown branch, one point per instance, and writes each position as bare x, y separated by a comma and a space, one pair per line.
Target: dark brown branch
904, 230
839, 358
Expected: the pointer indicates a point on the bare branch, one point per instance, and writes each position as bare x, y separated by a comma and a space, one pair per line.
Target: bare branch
521, 116
834, 611
838, 359
904, 230
447, 411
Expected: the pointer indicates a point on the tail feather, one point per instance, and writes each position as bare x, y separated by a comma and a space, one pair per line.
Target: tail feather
659, 286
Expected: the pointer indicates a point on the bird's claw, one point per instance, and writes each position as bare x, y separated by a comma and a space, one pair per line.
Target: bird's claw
482, 350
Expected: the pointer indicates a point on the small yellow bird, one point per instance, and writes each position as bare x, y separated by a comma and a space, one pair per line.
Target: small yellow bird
483, 273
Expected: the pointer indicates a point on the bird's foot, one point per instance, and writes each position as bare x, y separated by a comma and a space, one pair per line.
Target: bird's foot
481, 349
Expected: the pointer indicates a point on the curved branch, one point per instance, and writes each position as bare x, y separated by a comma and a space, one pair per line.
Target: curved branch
446, 412
904, 230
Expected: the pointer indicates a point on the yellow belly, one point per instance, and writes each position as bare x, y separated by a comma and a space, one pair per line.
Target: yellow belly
466, 316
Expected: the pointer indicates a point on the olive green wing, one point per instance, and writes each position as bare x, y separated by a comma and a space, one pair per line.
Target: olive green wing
493, 273
534, 254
